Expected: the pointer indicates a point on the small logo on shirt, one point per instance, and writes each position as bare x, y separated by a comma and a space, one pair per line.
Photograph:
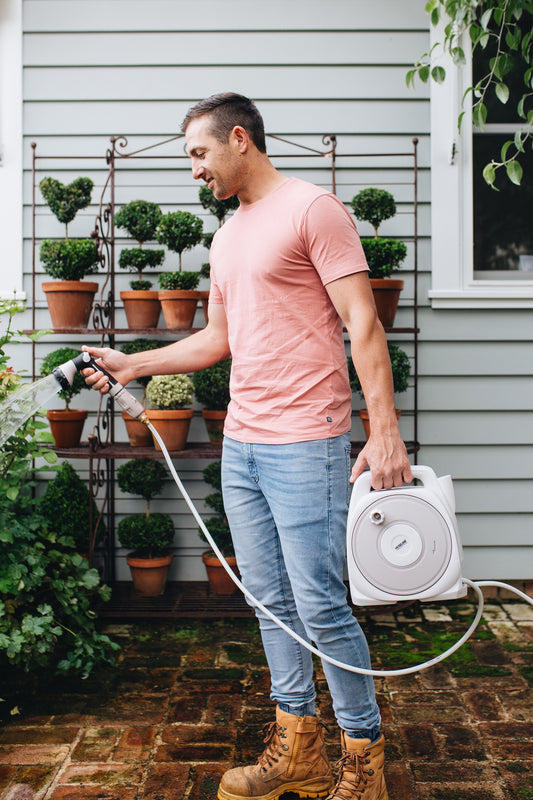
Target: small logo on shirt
328, 419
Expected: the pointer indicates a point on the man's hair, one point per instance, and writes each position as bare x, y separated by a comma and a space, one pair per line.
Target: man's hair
225, 111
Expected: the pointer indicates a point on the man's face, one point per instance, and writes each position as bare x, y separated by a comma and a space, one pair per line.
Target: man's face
214, 162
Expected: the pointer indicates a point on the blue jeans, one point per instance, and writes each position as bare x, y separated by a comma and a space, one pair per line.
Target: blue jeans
287, 507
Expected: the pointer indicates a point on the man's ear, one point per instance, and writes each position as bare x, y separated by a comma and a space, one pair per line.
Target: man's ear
240, 139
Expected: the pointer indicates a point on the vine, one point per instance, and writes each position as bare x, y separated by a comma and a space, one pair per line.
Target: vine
505, 26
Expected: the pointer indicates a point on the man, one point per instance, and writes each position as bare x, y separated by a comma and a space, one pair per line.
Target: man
287, 270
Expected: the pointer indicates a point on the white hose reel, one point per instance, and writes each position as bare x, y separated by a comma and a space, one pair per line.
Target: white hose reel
403, 543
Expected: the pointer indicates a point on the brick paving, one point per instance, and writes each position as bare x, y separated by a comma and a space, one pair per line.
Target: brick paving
187, 698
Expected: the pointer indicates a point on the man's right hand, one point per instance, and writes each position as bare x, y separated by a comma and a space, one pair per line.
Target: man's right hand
113, 361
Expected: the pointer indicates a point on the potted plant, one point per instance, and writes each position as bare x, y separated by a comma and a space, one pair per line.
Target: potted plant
219, 209
66, 424
179, 231
66, 504
148, 535
168, 395
138, 434
69, 297
384, 256
211, 388
219, 580
140, 219
401, 369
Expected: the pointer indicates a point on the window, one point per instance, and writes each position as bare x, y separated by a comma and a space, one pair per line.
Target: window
481, 239
11, 147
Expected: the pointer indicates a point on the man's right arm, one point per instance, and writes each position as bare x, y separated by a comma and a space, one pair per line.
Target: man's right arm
200, 350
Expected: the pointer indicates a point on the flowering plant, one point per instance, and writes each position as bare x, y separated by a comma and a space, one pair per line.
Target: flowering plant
169, 391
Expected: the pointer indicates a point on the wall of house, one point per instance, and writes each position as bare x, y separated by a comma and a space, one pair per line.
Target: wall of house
97, 68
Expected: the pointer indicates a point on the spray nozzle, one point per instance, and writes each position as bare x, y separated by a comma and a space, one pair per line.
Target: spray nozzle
64, 375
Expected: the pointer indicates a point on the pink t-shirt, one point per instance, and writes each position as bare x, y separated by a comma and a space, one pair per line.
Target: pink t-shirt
269, 265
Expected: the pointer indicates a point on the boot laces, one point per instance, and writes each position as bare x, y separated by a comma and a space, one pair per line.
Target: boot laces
352, 778
272, 732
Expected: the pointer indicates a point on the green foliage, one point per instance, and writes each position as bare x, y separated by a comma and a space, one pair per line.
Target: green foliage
374, 206
26, 444
65, 201
401, 369
180, 231
69, 260
140, 346
384, 256
55, 359
47, 591
504, 29
147, 536
218, 525
179, 280
140, 218
47, 594
136, 260
65, 506
169, 391
219, 208
211, 385
144, 477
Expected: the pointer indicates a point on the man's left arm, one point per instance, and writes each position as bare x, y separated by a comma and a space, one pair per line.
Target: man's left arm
384, 451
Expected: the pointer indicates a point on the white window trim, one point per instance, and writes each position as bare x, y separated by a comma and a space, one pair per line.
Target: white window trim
11, 148
453, 284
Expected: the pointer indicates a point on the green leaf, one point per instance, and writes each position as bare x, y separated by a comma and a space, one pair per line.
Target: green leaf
435, 16
489, 174
505, 148
37, 335
12, 492
50, 456
520, 106
484, 40
430, 5
458, 56
423, 73
512, 38
479, 115
518, 142
485, 18
460, 120
514, 172
438, 74
502, 92
410, 79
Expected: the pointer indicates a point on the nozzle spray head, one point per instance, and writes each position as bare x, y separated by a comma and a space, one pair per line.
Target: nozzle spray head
64, 375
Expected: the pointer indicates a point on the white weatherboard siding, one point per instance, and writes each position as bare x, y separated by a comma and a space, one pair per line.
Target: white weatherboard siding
95, 68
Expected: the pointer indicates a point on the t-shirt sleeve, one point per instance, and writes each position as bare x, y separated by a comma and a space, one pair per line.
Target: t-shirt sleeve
332, 242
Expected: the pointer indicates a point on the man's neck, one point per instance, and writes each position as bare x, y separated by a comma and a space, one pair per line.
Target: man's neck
263, 179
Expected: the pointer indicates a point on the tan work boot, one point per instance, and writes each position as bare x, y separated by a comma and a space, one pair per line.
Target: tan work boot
294, 760
360, 770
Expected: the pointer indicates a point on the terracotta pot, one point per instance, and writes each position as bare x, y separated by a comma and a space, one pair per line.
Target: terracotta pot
219, 580
363, 413
70, 302
149, 575
214, 422
204, 297
142, 308
138, 434
67, 426
386, 293
179, 307
172, 426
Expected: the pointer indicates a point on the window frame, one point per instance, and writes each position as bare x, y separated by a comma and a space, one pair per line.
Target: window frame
11, 156
452, 224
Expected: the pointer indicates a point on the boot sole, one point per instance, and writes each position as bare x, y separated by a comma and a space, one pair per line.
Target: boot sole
301, 789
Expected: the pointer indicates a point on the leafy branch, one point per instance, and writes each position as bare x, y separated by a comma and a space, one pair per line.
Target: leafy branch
501, 27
